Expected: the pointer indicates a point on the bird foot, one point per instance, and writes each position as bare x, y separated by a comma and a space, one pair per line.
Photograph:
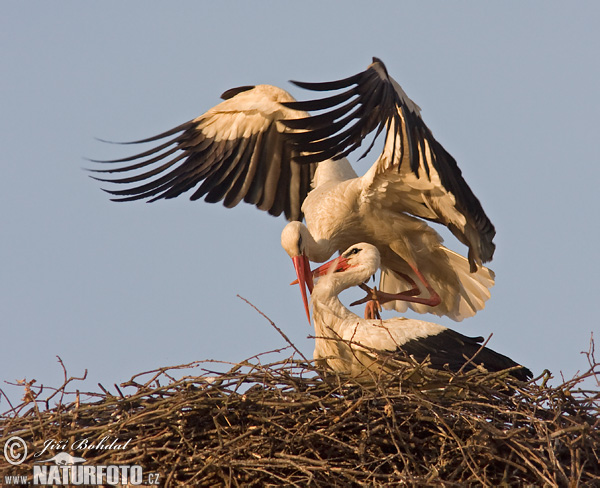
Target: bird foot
372, 309
373, 305
380, 297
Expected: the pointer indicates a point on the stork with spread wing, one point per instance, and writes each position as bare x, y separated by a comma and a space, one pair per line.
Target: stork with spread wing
260, 146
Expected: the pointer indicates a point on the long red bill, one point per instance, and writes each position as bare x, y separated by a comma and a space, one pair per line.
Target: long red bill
341, 264
305, 279
335, 265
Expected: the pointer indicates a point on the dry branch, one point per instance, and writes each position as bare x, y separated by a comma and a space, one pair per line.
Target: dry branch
289, 423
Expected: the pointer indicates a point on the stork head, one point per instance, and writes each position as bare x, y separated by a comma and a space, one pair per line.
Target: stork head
357, 263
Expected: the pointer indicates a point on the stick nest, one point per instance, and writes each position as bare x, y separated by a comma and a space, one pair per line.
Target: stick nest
287, 422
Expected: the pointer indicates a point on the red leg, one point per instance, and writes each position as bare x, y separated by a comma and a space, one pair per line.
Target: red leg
414, 291
407, 296
373, 306
372, 309
434, 299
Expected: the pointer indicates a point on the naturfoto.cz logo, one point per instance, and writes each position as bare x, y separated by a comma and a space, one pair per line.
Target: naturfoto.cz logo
66, 469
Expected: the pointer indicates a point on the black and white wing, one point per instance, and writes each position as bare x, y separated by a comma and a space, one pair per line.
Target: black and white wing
455, 351
418, 175
443, 348
235, 151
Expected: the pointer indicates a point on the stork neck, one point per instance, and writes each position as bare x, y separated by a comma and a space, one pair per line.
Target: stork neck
328, 316
325, 299
317, 250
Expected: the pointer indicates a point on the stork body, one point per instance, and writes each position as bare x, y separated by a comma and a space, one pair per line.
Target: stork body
344, 209
359, 347
262, 147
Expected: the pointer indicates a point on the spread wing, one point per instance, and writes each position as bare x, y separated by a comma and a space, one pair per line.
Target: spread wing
235, 151
418, 174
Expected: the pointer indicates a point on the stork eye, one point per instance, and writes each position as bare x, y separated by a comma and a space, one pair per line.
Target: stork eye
355, 250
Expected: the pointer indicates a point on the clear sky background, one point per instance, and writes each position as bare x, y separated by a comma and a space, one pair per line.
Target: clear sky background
511, 89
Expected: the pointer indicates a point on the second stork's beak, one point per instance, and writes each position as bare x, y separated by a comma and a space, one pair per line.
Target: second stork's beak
305, 279
334, 266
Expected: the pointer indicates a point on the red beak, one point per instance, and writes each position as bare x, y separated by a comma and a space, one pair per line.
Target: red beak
338, 264
305, 279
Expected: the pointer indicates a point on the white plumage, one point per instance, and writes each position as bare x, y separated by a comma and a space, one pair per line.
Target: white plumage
349, 344
260, 146
347, 209
413, 180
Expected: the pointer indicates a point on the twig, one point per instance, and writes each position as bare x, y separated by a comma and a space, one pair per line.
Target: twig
276, 328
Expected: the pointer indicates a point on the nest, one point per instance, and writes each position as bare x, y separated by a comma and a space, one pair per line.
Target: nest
287, 422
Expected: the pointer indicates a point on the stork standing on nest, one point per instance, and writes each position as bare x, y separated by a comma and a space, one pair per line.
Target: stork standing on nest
260, 146
349, 344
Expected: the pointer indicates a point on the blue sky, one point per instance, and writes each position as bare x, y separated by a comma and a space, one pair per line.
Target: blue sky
510, 89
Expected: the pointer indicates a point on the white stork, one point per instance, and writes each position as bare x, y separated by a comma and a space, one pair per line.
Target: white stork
349, 344
414, 178
242, 149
